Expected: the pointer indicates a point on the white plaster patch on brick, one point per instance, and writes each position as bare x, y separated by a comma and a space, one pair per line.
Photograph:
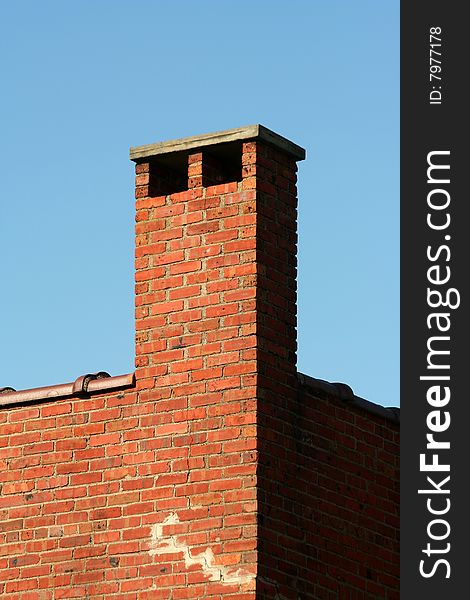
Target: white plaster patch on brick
169, 544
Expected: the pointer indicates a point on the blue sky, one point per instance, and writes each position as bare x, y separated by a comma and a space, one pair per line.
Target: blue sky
83, 81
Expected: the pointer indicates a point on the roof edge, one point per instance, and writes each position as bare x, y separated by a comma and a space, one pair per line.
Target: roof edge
343, 392
91, 383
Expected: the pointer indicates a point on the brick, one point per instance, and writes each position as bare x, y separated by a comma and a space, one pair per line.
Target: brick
75, 541
85, 478
105, 439
185, 292
72, 467
188, 266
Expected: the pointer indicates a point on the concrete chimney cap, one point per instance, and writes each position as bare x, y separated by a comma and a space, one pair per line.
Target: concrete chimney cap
250, 132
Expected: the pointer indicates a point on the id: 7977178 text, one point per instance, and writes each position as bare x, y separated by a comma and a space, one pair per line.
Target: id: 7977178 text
435, 68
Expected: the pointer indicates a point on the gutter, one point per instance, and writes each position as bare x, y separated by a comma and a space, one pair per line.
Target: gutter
83, 386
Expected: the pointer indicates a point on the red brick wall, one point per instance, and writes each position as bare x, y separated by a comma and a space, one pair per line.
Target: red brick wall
217, 477
328, 500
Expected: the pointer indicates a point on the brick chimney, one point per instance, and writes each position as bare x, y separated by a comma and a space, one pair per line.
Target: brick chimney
216, 337
216, 259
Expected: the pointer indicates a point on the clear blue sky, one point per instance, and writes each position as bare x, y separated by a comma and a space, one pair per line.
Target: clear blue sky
82, 81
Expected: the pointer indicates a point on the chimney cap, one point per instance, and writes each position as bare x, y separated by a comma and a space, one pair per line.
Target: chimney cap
250, 132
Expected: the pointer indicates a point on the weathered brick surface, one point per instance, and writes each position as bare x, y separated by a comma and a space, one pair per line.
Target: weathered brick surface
328, 481
219, 476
